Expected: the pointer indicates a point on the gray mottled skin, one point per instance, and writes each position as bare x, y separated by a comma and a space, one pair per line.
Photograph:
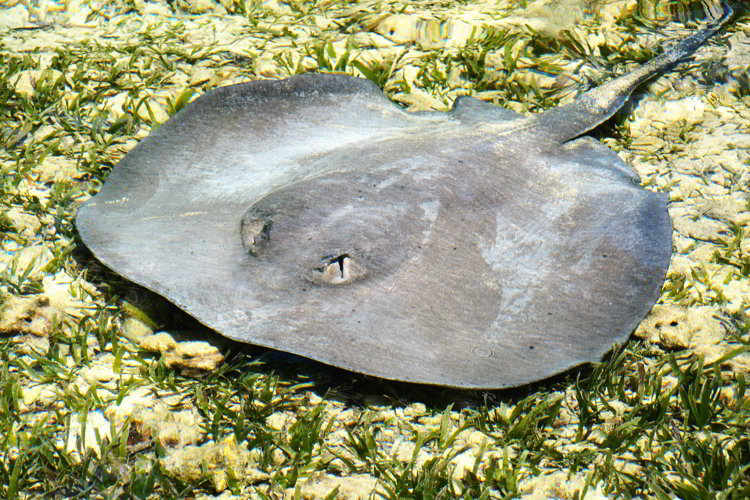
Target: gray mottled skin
474, 248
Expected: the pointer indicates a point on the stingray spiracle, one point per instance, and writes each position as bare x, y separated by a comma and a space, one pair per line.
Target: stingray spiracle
337, 270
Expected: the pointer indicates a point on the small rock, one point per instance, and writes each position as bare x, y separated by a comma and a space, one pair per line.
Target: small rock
57, 288
194, 356
415, 410
170, 428
204, 7
56, 169
277, 7
403, 451
32, 315
26, 224
268, 69
702, 229
217, 462
40, 395
278, 456
136, 330
279, 421
27, 81
191, 356
137, 398
153, 418
158, 342
101, 370
153, 9
475, 438
677, 327
612, 11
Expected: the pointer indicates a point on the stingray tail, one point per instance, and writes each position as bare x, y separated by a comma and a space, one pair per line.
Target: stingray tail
597, 105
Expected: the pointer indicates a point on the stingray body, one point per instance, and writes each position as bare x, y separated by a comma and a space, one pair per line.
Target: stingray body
473, 248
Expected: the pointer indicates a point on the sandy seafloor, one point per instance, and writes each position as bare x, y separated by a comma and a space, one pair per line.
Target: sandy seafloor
90, 78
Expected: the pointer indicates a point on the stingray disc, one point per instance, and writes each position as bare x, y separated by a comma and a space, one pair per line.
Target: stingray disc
470, 248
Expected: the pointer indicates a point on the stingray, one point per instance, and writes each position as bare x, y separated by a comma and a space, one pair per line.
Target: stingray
474, 248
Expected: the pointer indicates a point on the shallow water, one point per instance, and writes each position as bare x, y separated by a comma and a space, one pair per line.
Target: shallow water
77, 106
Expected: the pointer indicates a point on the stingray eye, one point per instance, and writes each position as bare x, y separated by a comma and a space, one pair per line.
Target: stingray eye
337, 270
254, 233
